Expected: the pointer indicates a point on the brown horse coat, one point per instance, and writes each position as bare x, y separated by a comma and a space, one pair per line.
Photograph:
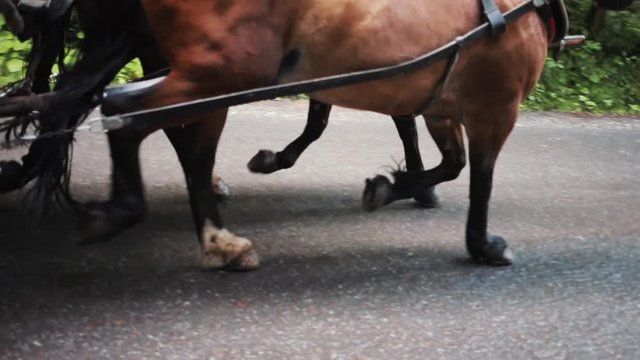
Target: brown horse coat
221, 46
241, 44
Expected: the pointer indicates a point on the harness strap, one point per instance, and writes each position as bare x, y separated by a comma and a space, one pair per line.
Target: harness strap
546, 14
444, 80
496, 20
113, 121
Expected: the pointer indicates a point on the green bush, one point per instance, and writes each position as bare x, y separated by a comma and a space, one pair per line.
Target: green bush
602, 76
590, 80
13, 53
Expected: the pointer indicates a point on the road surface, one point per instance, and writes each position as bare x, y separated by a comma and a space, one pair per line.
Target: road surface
336, 282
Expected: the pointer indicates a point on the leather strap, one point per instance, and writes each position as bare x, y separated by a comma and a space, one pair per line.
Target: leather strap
496, 20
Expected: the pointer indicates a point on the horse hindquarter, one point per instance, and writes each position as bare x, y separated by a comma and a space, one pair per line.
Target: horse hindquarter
216, 47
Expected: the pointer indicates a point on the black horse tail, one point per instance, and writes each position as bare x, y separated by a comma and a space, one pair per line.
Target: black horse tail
104, 50
48, 48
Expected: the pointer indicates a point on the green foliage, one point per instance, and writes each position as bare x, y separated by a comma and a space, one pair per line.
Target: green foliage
603, 75
621, 32
588, 80
13, 53
133, 70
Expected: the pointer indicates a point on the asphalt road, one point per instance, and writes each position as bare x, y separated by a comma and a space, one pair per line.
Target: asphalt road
336, 282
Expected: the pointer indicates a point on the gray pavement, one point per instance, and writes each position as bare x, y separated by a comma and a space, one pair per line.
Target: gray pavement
336, 282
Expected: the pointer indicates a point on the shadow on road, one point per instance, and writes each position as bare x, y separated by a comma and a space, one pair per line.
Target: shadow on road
41, 270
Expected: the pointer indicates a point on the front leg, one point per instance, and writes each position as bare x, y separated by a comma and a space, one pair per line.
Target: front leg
196, 146
487, 132
266, 161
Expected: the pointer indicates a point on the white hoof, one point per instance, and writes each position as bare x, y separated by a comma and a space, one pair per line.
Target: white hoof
222, 249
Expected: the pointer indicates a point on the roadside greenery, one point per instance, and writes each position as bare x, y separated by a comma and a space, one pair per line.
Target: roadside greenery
13, 53
602, 76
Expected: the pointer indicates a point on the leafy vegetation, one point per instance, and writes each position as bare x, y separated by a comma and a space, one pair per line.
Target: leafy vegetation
13, 53
603, 75
600, 77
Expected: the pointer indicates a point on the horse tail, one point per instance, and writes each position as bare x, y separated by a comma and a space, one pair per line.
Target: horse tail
101, 54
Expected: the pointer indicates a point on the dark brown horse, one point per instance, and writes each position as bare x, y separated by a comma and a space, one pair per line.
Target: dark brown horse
243, 44
105, 50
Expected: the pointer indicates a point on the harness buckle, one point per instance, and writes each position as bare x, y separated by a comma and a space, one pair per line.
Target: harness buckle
496, 20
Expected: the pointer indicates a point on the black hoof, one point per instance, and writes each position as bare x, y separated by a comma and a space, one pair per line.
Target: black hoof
264, 162
494, 252
429, 199
378, 192
11, 176
101, 222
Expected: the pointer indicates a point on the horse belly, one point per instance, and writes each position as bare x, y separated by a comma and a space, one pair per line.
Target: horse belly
404, 95
335, 37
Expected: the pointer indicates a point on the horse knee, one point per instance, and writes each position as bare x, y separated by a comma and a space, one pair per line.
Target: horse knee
453, 165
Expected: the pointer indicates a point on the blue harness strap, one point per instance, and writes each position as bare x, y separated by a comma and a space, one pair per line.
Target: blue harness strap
494, 16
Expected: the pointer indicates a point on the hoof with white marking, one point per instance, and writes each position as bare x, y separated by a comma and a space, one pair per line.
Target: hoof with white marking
222, 249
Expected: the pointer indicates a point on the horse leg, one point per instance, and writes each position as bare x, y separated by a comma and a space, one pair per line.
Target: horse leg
196, 146
152, 61
485, 142
126, 206
266, 161
415, 182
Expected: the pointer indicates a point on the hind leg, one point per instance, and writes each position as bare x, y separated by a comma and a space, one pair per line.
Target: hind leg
196, 146
126, 207
421, 184
266, 161
487, 133
406, 126
380, 191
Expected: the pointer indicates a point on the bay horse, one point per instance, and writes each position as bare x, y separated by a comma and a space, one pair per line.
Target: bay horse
107, 46
218, 46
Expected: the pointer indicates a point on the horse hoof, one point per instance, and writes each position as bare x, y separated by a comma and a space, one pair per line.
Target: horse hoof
223, 250
220, 189
378, 192
101, 222
495, 252
247, 261
429, 199
264, 162
11, 175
